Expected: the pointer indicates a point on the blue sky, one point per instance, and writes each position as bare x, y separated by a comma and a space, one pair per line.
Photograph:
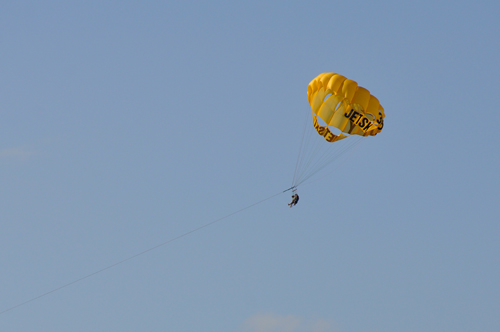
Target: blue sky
125, 124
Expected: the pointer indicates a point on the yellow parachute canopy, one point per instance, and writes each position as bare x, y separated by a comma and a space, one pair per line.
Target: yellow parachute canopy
342, 104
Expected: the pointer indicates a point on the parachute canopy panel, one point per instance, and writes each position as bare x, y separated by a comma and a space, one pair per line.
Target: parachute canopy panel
342, 104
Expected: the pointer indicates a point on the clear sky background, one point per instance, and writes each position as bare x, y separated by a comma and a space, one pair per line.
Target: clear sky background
124, 124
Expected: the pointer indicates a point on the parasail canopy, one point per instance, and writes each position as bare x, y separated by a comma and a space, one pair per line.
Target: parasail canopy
340, 109
340, 103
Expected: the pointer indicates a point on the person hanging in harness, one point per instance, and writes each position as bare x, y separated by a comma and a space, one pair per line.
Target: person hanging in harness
295, 200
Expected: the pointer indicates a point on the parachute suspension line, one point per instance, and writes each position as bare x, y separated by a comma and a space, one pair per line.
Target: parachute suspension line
139, 254
309, 148
346, 148
316, 154
312, 145
330, 157
334, 151
348, 151
300, 150
316, 149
